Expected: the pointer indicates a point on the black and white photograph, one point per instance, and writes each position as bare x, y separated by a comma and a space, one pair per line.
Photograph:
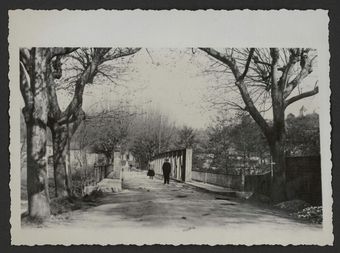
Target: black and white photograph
167, 143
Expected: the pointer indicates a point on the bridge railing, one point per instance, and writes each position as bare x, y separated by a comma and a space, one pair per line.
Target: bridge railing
180, 160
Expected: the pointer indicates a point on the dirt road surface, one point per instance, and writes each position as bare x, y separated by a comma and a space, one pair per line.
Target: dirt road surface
149, 203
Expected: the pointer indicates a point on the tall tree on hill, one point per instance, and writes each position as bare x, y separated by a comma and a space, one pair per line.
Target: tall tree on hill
303, 135
274, 73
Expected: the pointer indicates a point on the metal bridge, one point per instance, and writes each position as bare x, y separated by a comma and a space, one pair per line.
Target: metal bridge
181, 164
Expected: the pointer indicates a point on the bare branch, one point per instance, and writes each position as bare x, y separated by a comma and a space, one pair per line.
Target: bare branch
257, 61
25, 88
301, 96
91, 60
228, 60
25, 56
306, 68
294, 57
80, 83
231, 63
58, 51
120, 52
275, 55
251, 52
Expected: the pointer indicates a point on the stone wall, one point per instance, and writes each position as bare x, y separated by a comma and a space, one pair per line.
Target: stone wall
229, 181
303, 177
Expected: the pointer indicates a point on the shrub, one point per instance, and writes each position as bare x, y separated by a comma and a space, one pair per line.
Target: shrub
294, 206
312, 214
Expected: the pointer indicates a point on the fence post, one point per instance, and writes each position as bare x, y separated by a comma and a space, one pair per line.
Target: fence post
95, 172
243, 180
188, 164
122, 175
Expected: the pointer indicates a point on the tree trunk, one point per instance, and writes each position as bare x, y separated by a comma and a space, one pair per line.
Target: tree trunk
37, 181
36, 122
84, 158
278, 184
108, 163
61, 175
68, 163
278, 135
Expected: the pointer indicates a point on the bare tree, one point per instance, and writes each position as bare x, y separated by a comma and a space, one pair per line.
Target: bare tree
186, 137
278, 72
108, 130
35, 70
150, 133
91, 63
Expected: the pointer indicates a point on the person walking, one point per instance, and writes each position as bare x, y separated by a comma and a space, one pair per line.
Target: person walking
151, 172
166, 171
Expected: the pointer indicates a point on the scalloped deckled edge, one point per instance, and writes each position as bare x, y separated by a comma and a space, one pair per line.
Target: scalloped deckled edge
16, 232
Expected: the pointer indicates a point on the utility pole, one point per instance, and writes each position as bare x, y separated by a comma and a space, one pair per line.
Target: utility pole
271, 169
160, 135
68, 159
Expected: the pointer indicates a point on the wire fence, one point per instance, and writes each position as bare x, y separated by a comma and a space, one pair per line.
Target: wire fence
88, 177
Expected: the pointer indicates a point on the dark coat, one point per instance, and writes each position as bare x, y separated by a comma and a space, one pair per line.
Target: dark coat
166, 168
151, 173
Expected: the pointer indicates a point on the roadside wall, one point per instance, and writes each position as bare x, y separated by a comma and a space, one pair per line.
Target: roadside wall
229, 181
303, 176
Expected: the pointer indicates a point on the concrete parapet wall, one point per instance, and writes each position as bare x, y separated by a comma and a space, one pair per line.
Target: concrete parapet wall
229, 181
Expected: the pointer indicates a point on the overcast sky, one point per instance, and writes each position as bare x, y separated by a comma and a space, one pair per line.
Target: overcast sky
172, 81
